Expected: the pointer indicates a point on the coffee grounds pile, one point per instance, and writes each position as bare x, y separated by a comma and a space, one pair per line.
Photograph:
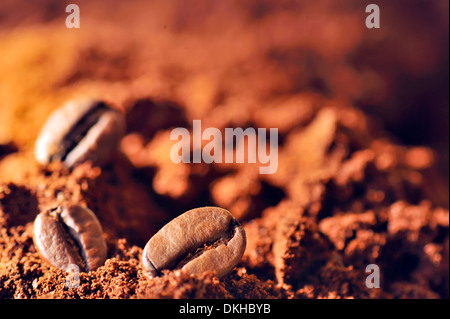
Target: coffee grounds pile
351, 189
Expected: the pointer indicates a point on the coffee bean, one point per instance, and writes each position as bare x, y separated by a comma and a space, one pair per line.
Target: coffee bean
70, 235
81, 130
200, 240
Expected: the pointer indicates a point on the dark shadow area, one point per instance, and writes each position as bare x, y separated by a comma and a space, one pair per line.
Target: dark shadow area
148, 117
398, 260
269, 196
19, 206
6, 149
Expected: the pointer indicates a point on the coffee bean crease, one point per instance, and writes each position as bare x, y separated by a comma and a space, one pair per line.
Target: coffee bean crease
70, 235
200, 240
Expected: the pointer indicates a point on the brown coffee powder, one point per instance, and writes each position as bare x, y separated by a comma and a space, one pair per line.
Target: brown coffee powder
347, 192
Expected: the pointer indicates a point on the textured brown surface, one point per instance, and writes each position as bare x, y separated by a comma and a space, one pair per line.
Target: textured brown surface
363, 157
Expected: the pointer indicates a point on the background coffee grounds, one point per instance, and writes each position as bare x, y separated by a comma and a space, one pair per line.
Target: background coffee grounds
363, 157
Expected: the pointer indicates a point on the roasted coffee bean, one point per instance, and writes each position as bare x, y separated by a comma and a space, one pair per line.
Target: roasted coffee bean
200, 240
81, 130
70, 235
